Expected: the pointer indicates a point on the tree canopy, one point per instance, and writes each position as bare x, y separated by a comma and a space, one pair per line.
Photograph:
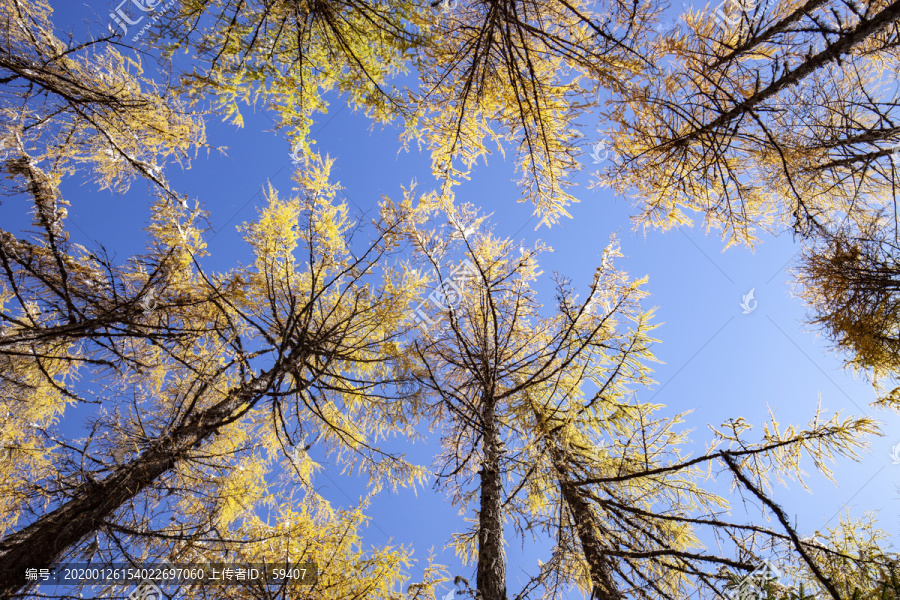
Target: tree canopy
206, 389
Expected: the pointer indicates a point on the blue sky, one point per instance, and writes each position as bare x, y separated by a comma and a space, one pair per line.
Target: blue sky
717, 361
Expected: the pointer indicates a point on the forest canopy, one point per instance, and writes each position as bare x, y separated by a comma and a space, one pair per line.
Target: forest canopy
167, 405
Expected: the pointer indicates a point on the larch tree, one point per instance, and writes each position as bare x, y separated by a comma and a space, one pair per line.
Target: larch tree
760, 116
850, 280
209, 384
201, 384
542, 428
521, 75
754, 115
83, 106
287, 56
512, 74
204, 381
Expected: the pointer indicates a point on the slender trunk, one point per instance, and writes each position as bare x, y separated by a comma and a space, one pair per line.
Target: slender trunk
604, 588
586, 526
40, 544
491, 580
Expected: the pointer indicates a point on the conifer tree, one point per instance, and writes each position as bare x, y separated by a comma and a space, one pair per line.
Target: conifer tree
543, 429
206, 379
761, 116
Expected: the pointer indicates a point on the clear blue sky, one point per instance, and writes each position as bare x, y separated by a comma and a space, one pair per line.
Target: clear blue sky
718, 362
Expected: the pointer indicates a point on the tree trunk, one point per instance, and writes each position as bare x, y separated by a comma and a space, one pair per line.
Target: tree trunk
491, 580
604, 588
844, 45
586, 527
40, 544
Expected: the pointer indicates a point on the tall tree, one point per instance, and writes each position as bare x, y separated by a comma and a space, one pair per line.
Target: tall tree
850, 279
85, 107
522, 74
515, 73
288, 56
206, 381
199, 382
755, 114
762, 115
541, 428
205, 378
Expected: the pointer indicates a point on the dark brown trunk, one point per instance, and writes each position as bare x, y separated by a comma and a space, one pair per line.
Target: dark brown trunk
40, 544
604, 588
586, 527
491, 580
